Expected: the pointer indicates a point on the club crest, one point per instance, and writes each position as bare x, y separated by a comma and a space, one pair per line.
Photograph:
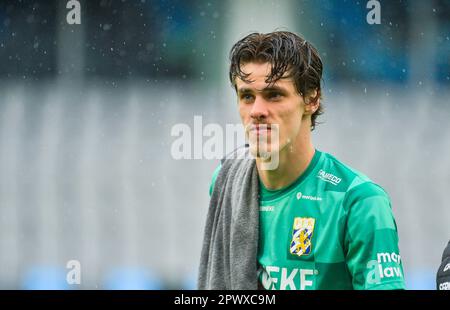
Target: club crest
301, 236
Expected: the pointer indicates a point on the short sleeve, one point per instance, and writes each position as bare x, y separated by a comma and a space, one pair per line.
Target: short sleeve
371, 239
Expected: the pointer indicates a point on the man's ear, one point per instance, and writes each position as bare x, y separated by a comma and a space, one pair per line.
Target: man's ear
312, 102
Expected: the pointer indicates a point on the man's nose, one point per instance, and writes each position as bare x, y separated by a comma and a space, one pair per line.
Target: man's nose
259, 109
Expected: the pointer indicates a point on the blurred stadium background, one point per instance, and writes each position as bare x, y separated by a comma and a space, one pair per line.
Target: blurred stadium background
86, 113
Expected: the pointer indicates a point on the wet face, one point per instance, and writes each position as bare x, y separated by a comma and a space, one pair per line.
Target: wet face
272, 114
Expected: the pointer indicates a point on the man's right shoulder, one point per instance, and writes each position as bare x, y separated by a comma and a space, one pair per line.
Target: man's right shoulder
214, 177
238, 153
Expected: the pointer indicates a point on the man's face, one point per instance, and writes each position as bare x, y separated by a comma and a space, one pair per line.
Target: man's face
280, 104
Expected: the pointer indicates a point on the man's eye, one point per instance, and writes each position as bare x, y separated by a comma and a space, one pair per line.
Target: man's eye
246, 97
274, 95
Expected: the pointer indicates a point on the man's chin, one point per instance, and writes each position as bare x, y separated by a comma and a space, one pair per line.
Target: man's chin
264, 153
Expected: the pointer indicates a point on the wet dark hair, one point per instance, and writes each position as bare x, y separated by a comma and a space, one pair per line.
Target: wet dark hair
287, 53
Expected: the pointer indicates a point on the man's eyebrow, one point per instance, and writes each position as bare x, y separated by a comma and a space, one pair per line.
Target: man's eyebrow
275, 88
244, 90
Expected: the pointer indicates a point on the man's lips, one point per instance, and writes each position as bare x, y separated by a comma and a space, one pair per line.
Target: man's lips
260, 128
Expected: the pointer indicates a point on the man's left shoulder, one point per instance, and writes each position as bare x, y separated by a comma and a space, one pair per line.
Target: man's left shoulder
347, 179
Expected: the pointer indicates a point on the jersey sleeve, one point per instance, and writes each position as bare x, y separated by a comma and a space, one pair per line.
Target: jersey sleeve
371, 240
213, 181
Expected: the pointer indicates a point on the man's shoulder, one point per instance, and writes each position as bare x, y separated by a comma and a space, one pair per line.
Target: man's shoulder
347, 179
239, 153
214, 178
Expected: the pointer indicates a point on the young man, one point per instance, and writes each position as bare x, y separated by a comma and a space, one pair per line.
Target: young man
310, 221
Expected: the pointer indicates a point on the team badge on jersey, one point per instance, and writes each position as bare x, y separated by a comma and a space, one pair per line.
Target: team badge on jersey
301, 236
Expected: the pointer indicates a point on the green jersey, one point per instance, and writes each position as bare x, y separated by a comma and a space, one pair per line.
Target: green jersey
332, 228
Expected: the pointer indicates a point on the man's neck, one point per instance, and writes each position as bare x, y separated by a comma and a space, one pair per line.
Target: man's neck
294, 159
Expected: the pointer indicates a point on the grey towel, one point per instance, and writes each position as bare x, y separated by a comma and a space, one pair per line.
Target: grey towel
230, 245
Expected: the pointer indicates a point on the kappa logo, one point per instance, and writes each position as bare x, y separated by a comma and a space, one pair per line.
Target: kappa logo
302, 235
328, 177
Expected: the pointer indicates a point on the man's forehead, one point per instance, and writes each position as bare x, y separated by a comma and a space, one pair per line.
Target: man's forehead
258, 74
260, 69
285, 83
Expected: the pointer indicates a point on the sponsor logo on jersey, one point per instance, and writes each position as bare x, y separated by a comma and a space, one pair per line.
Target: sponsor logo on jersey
328, 177
445, 286
274, 277
307, 197
387, 265
302, 235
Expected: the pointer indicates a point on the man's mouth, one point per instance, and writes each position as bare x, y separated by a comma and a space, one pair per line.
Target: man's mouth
260, 128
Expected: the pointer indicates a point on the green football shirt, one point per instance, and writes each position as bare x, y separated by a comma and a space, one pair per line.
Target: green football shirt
332, 228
